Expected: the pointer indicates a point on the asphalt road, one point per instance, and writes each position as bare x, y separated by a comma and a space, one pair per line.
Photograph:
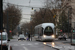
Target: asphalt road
28, 45
35, 45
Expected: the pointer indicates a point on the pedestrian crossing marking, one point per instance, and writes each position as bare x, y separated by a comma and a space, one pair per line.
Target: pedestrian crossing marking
36, 43
22, 44
25, 48
15, 44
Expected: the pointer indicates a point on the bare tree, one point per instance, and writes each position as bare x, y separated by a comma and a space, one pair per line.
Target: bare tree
13, 14
44, 15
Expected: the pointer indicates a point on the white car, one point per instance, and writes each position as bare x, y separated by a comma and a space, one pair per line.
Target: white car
21, 37
5, 44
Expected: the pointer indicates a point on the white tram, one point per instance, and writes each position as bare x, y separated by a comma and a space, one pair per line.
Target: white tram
44, 31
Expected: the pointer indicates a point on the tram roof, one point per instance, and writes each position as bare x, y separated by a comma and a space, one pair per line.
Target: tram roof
45, 24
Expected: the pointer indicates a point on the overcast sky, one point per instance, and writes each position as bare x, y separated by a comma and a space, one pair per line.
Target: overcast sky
27, 10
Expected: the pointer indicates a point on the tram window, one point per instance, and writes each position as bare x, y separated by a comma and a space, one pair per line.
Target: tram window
41, 31
48, 31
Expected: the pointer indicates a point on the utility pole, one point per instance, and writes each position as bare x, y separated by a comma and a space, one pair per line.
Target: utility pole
31, 33
68, 22
69, 14
1, 19
8, 23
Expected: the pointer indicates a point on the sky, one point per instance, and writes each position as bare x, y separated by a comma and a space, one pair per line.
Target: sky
26, 11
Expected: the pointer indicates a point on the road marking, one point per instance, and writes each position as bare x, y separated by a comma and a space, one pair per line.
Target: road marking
29, 44
22, 44
25, 48
36, 43
15, 44
68, 47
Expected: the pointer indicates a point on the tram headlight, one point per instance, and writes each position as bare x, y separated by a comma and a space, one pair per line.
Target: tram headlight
53, 36
44, 36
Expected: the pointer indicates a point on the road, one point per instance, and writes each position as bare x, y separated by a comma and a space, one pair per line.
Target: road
36, 45
28, 45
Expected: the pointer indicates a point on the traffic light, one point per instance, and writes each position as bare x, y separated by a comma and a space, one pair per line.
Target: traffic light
60, 30
73, 30
10, 31
32, 8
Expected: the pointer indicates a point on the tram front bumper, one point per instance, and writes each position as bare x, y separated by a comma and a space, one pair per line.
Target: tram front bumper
47, 38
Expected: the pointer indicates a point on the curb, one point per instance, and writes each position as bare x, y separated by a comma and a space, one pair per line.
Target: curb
53, 47
57, 47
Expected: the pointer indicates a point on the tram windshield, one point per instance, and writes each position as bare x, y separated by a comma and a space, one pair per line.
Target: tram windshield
48, 31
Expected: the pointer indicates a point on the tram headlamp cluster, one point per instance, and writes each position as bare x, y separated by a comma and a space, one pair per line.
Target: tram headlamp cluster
53, 36
44, 36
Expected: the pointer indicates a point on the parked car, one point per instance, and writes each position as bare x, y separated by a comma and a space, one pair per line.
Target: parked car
62, 37
21, 37
5, 40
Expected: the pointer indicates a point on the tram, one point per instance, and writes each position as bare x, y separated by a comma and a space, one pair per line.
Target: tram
44, 31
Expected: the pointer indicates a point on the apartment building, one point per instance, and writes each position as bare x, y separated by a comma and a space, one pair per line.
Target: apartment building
72, 3
69, 7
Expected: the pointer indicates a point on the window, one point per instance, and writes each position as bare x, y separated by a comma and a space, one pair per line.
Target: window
69, 0
21, 36
48, 31
41, 31
3, 37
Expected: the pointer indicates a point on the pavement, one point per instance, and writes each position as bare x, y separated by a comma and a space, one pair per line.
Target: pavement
62, 45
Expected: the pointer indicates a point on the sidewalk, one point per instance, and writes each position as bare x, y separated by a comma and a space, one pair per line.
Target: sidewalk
61, 46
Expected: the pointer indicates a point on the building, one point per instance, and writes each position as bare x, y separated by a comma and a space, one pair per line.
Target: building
70, 4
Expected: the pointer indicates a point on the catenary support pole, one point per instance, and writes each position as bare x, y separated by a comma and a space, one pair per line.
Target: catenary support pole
1, 20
